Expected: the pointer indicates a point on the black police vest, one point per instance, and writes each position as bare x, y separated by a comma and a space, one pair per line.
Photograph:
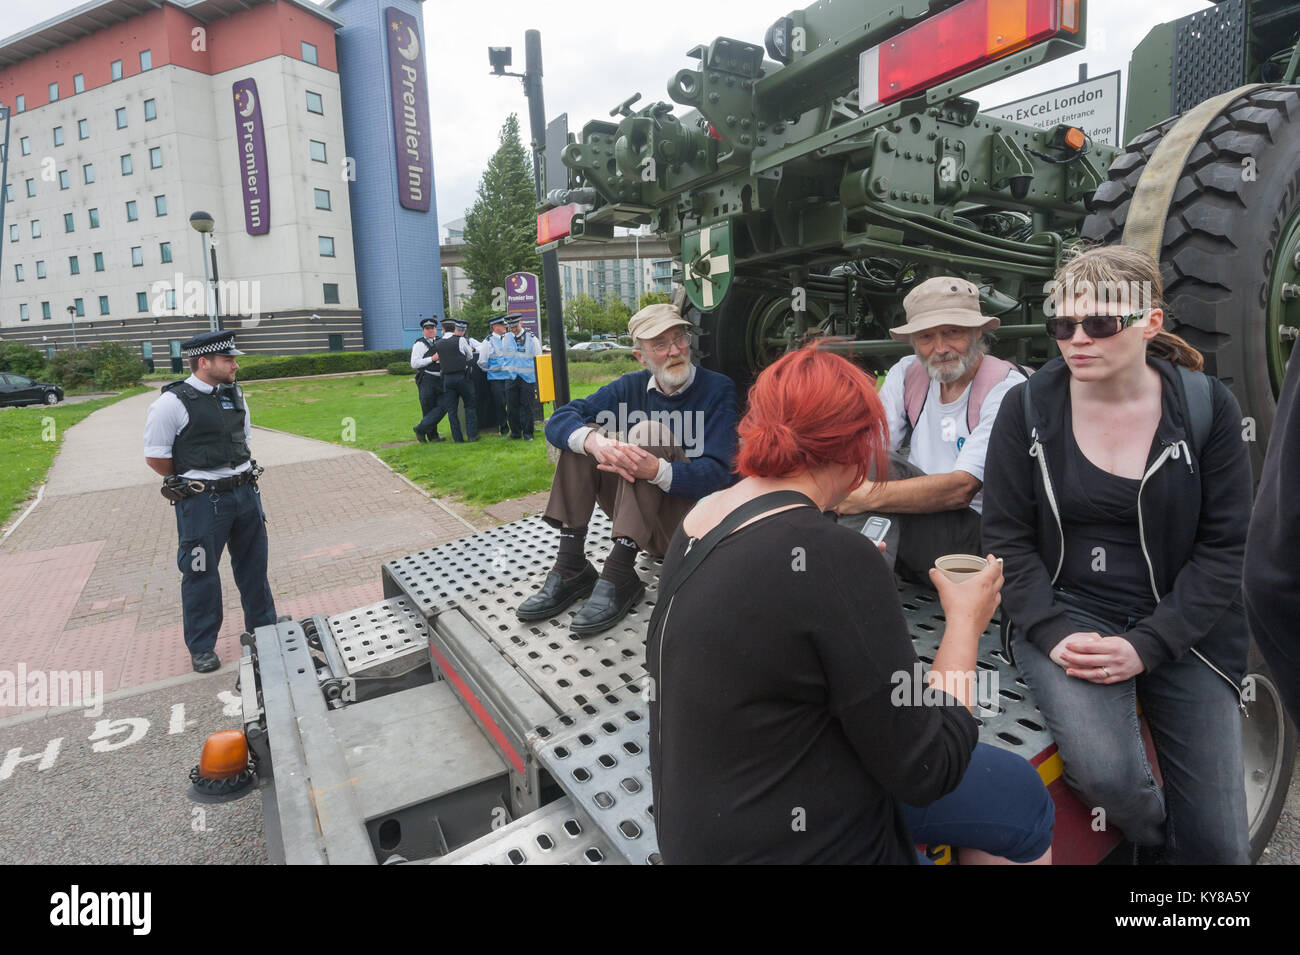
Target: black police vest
450, 358
430, 348
214, 437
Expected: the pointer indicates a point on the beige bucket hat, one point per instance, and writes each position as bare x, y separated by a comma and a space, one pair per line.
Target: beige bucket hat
653, 320
943, 300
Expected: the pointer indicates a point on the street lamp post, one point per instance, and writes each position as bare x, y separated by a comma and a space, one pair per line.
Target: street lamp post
72, 317
202, 223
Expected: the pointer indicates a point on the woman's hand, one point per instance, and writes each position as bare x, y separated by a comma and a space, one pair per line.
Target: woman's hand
969, 605
1097, 659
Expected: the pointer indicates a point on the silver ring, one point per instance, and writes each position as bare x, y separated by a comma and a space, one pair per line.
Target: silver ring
1105, 672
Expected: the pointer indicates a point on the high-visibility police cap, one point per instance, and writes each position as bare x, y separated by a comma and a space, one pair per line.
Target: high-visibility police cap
211, 343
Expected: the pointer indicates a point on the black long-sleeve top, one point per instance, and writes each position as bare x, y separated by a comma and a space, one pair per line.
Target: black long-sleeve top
774, 731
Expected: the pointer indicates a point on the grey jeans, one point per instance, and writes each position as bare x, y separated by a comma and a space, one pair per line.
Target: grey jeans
1200, 815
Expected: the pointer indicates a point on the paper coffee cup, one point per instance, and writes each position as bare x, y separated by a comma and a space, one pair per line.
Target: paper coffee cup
959, 567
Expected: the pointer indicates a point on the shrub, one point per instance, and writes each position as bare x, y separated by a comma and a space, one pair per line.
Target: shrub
401, 368
22, 359
108, 365
262, 367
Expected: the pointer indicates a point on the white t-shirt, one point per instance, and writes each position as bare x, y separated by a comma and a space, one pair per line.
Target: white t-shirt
941, 442
167, 417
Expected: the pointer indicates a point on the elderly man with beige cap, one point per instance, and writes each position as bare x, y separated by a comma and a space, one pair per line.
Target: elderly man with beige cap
645, 447
942, 401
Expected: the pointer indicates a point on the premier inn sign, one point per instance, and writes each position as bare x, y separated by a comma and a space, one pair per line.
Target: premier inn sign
407, 81
252, 158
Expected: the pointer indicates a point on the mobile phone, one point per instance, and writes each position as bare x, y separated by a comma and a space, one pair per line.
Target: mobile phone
876, 528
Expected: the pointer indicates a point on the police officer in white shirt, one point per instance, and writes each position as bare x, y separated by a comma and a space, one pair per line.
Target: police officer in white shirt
196, 436
428, 376
944, 399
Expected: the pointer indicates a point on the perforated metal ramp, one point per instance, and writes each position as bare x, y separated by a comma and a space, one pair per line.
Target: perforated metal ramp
380, 638
556, 834
572, 709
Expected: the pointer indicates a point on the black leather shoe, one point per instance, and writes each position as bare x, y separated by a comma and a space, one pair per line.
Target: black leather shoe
436, 437
606, 606
557, 593
420, 436
205, 662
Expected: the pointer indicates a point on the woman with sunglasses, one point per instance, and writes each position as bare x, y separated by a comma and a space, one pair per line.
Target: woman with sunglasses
1117, 490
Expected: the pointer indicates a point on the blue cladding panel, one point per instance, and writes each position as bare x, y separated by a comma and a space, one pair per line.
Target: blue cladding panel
399, 275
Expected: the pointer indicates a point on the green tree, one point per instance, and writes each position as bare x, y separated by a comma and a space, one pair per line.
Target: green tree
500, 228
583, 313
653, 298
22, 359
446, 297
616, 315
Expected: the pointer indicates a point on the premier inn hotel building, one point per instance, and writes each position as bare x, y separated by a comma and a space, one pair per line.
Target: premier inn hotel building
302, 130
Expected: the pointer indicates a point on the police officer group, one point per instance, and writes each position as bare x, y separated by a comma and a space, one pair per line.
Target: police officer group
444, 373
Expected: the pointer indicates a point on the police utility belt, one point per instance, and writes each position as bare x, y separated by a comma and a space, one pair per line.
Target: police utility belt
176, 488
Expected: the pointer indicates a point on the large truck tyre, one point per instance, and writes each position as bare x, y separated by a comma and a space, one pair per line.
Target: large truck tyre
1269, 745
1230, 244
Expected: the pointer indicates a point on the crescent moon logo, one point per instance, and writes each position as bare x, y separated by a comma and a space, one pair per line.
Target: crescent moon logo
521, 284
249, 105
412, 48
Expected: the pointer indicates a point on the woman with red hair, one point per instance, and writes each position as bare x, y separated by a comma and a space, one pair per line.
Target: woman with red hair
775, 650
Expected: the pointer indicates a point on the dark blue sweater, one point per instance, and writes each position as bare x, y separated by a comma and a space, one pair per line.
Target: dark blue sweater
703, 418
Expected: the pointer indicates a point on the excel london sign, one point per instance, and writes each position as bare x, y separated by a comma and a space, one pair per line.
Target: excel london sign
407, 80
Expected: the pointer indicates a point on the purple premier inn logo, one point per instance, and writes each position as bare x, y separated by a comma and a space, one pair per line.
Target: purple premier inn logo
406, 79
252, 158
521, 298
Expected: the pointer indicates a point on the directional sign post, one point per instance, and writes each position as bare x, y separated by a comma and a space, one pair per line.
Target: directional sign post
1091, 105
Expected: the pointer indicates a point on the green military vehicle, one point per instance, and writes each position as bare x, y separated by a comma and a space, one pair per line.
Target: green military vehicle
805, 185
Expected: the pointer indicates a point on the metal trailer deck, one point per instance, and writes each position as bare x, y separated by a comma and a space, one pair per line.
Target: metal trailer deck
436, 727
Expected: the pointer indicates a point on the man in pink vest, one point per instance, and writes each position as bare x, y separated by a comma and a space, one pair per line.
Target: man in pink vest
942, 402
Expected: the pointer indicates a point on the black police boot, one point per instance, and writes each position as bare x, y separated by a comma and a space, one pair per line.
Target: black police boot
557, 593
607, 605
205, 662
420, 436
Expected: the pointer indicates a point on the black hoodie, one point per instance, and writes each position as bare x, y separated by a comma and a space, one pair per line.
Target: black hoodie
1194, 509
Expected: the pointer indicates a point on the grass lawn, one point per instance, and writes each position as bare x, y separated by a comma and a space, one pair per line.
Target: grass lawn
371, 411
29, 445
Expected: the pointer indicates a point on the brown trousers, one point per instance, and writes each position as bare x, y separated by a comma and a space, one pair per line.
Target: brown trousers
638, 509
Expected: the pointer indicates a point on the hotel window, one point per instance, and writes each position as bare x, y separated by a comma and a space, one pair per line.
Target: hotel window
164, 252
121, 117
40, 268
36, 228
63, 179
150, 109
20, 104
54, 92
317, 151
13, 232
331, 290
126, 165
142, 301
137, 255
88, 173
326, 243
24, 313
79, 83
160, 205
322, 198
31, 188
99, 261
131, 214
18, 273
170, 299
69, 225
26, 144
80, 306
83, 129
58, 135
146, 60
93, 215
74, 267
9, 192
155, 157
45, 309
117, 69
314, 103
103, 305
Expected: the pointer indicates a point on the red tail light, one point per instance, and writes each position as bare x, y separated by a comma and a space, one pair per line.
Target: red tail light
957, 41
555, 224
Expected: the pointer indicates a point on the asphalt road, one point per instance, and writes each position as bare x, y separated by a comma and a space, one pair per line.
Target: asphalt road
117, 789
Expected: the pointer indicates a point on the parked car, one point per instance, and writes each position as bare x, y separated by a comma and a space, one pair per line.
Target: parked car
20, 390
593, 346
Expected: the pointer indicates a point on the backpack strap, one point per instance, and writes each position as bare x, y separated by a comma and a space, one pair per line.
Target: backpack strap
916, 388
991, 372
1197, 389
700, 549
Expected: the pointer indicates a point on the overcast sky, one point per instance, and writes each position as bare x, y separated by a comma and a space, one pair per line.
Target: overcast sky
597, 53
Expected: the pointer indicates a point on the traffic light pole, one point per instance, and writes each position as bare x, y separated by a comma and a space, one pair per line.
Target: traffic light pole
550, 261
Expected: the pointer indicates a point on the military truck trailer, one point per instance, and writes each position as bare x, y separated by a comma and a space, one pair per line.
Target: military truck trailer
805, 185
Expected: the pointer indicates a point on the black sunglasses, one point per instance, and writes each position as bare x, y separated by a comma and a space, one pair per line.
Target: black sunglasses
1094, 326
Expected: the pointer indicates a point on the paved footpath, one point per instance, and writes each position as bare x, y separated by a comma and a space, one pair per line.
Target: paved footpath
89, 581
